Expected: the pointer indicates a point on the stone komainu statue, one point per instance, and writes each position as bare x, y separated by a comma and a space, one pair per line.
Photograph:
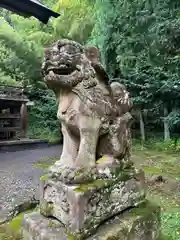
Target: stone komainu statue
94, 113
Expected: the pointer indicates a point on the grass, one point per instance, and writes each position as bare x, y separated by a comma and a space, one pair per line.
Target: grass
46, 162
167, 194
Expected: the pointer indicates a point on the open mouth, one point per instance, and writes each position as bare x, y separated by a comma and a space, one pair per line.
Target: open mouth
61, 70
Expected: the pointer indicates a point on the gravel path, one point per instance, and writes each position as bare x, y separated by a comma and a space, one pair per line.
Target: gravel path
19, 179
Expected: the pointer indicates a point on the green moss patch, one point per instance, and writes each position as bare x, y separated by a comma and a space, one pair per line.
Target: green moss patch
44, 177
12, 229
93, 185
144, 209
123, 175
45, 163
102, 160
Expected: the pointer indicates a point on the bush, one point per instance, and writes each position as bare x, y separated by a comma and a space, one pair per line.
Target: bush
43, 122
159, 144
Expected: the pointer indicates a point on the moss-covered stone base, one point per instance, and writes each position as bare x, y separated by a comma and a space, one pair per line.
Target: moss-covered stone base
83, 207
141, 223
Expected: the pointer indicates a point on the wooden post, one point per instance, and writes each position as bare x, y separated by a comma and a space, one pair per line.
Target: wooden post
24, 120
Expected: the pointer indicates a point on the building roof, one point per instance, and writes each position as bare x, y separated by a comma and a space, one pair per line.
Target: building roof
12, 94
29, 8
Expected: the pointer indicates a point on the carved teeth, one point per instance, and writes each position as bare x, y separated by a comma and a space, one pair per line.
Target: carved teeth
51, 73
62, 66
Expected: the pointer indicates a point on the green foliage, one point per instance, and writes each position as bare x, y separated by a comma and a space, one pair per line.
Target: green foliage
174, 118
171, 146
22, 42
46, 163
7, 80
43, 122
29, 53
171, 224
140, 45
165, 194
160, 145
76, 21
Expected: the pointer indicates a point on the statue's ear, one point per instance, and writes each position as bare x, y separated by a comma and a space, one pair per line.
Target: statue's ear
93, 54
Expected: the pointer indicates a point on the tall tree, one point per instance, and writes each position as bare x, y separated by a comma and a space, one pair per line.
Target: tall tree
140, 43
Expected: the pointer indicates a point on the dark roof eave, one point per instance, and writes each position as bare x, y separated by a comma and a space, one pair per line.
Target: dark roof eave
28, 8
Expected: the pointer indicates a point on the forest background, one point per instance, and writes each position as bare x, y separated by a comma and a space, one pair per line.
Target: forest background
140, 45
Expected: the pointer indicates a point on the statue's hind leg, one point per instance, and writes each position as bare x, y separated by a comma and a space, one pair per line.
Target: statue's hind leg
89, 134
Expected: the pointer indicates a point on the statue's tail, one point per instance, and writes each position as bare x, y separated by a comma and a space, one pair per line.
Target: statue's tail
121, 97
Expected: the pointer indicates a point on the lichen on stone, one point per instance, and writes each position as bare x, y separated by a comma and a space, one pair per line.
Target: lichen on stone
96, 184
102, 160
46, 208
72, 236
53, 224
120, 176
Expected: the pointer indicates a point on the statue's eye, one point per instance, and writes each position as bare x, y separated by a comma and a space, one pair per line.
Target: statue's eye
72, 50
55, 53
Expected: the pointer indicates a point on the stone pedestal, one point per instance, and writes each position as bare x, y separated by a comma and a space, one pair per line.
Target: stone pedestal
140, 223
73, 210
82, 207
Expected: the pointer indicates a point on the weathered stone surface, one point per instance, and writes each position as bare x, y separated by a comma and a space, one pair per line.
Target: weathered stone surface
6, 214
140, 223
37, 227
106, 167
94, 114
82, 207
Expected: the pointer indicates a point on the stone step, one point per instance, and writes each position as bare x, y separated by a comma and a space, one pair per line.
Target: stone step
140, 223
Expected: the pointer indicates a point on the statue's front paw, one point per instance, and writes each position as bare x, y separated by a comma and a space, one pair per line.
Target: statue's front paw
61, 172
73, 175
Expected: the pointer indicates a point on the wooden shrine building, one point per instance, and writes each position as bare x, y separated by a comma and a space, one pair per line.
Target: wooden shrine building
13, 113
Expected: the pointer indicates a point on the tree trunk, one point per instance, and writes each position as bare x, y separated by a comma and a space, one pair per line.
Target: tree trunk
166, 126
142, 129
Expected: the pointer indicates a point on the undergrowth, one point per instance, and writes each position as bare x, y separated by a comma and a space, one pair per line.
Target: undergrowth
170, 146
159, 158
43, 122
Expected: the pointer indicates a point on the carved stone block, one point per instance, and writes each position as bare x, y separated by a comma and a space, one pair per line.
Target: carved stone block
82, 207
140, 223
